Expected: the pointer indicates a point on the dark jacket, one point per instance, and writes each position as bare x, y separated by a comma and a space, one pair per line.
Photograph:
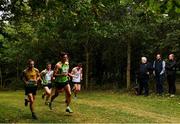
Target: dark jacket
159, 67
171, 67
144, 69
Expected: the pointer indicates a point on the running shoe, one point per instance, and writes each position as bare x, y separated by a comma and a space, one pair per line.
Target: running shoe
69, 110
25, 102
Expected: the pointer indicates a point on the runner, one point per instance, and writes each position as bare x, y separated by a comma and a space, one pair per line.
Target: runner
31, 77
76, 78
62, 80
46, 76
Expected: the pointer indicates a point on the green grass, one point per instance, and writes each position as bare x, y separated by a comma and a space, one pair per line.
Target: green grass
92, 107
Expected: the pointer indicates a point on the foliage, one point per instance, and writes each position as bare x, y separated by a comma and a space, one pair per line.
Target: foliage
94, 32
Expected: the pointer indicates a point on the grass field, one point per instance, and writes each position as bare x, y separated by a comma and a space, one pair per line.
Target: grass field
92, 107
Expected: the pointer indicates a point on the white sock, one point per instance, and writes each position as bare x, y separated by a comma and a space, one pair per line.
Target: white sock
68, 107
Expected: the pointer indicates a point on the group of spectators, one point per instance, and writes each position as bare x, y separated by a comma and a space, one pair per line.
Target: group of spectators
161, 70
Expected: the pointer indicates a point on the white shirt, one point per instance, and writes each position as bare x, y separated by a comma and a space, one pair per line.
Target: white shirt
76, 74
47, 76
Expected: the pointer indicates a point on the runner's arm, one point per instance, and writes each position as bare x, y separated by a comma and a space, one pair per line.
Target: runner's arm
72, 74
81, 74
56, 69
43, 73
24, 78
38, 76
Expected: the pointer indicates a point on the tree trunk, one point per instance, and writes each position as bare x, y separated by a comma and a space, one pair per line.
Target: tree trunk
128, 72
87, 70
46, 2
1, 79
17, 69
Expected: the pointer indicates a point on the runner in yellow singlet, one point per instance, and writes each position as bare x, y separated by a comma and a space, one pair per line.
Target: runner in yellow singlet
31, 77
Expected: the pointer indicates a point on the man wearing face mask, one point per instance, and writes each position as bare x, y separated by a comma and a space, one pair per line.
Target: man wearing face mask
159, 73
171, 74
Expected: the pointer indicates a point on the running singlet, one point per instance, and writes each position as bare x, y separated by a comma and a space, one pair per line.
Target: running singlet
46, 76
64, 69
77, 75
31, 76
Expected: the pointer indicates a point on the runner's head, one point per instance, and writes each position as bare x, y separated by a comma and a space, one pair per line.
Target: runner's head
48, 66
30, 63
64, 57
79, 65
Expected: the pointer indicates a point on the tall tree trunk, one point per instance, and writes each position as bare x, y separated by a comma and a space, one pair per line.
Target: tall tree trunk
17, 69
128, 72
46, 2
87, 70
1, 78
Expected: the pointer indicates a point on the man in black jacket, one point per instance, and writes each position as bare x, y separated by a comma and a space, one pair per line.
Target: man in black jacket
144, 72
171, 74
159, 73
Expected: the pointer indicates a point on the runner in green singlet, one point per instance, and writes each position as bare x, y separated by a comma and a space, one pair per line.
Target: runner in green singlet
61, 74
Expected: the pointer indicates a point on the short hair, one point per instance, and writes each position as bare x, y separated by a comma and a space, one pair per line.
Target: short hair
172, 54
48, 63
80, 64
29, 61
159, 54
63, 54
144, 59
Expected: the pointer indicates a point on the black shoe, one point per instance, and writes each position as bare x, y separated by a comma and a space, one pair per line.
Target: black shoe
43, 96
46, 103
50, 105
34, 116
25, 102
